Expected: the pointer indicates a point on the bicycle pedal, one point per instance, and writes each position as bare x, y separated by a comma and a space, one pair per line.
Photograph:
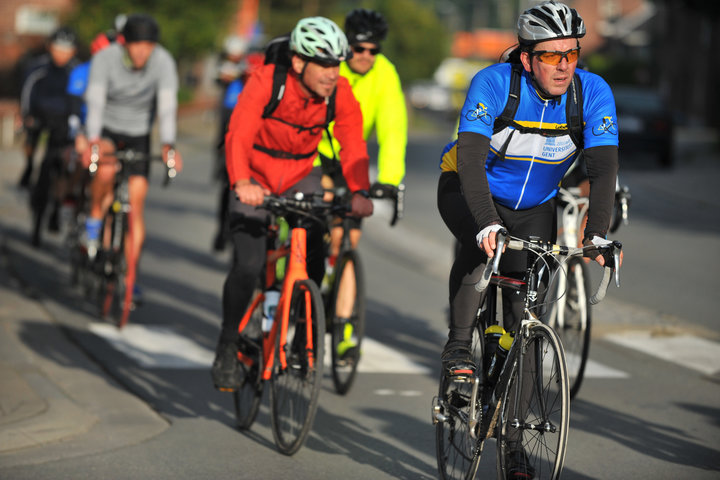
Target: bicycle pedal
227, 389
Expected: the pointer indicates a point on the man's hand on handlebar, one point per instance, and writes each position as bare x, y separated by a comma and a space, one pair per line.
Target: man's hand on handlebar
95, 150
383, 190
172, 158
487, 239
599, 258
361, 205
250, 193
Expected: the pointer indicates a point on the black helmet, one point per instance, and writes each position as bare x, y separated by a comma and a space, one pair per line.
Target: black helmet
140, 27
63, 37
363, 25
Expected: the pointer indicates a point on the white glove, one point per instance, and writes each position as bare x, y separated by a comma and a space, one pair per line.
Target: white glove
485, 232
599, 241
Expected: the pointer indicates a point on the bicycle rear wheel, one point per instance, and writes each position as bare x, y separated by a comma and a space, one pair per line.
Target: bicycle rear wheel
571, 320
249, 394
295, 387
112, 286
455, 428
534, 409
347, 333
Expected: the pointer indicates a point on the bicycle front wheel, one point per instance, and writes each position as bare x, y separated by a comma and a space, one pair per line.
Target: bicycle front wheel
347, 320
571, 319
534, 409
296, 384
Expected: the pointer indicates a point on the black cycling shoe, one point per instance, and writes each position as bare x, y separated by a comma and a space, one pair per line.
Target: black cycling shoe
225, 368
519, 467
457, 359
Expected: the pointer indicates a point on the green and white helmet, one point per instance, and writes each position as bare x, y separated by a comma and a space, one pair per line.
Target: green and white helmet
319, 39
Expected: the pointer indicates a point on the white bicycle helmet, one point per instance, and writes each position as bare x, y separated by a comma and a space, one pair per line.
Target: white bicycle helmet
319, 38
549, 21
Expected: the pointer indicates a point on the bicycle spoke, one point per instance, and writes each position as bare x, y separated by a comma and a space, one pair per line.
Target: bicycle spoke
296, 385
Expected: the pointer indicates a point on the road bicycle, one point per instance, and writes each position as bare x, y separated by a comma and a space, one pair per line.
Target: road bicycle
289, 354
343, 290
527, 407
108, 269
571, 315
50, 187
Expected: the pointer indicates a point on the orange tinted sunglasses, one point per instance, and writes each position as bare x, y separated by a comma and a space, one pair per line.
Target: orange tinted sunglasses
553, 58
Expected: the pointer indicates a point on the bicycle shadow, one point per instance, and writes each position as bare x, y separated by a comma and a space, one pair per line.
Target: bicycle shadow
390, 327
341, 434
661, 441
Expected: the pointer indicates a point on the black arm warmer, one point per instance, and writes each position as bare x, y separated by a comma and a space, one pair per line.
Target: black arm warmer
602, 168
472, 151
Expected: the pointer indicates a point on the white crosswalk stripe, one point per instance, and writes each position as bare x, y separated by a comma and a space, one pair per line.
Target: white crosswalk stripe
162, 347
689, 351
157, 346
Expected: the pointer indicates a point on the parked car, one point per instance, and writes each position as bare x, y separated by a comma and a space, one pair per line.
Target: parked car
645, 123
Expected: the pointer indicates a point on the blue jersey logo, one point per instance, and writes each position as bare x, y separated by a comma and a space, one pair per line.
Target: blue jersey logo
608, 125
480, 113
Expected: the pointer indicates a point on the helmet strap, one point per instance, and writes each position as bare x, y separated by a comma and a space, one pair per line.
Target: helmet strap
301, 77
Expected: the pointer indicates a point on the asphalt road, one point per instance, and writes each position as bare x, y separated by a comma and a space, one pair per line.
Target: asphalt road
637, 416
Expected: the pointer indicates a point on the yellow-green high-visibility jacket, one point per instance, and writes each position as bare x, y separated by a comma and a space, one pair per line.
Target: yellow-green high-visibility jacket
383, 107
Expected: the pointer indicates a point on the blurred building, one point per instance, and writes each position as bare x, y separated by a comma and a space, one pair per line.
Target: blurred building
23, 28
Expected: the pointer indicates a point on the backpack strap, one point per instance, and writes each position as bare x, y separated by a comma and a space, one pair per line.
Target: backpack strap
278, 89
508, 114
574, 112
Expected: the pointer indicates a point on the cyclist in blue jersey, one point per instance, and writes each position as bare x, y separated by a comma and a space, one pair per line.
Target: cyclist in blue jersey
505, 173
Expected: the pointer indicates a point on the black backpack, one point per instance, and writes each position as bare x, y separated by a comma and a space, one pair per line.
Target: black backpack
573, 111
277, 52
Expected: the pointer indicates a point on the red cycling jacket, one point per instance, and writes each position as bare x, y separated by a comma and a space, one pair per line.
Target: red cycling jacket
247, 128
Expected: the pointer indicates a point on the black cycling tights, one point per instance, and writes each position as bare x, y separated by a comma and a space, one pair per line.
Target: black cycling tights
249, 256
470, 260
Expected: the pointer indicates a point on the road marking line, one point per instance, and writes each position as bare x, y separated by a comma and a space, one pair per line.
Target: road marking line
692, 352
155, 346
159, 346
379, 358
594, 369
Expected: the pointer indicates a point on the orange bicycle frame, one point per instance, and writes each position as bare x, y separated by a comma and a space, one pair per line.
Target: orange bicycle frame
296, 271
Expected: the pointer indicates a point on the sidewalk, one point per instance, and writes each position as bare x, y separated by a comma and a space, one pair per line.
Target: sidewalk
55, 402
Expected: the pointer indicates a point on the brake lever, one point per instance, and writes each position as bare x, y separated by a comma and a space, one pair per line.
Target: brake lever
617, 248
399, 210
500, 237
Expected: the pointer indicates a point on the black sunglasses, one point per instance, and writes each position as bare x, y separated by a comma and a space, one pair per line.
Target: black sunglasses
373, 51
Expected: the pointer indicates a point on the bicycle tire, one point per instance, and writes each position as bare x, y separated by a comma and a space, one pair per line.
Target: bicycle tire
455, 446
111, 266
294, 390
544, 403
344, 367
571, 318
616, 217
128, 274
248, 396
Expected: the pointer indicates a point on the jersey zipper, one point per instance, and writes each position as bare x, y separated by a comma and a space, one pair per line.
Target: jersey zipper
532, 160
